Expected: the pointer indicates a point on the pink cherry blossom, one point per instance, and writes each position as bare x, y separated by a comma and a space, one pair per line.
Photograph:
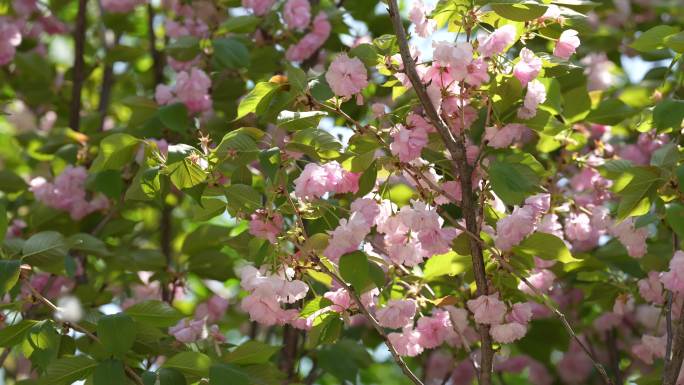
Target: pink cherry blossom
496, 42
312, 41
396, 313
263, 226
340, 298
508, 332
514, 228
575, 366
408, 143
578, 227
539, 203
528, 67
213, 309
297, 14
434, 329
649, 348
346, 76
542, 280
598, 69
673, 279
418, 16
367, 208
521, 312
407, 343
509, 134
536, 94
347, 237
193, 90
487, 309
187, 330
263, 310
259, 7
634, 239
567, 44
10, 38
651, 289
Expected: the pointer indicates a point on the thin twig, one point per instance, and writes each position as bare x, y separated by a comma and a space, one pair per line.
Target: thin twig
456, 148
78, 74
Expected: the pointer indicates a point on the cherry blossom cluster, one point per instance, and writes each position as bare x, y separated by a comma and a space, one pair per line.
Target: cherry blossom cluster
67, 193
268, 292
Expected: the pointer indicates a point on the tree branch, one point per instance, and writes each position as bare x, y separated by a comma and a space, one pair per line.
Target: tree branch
674, 365
157, 57
78, 74
456, 147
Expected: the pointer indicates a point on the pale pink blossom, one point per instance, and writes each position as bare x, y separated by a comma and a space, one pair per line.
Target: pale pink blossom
575, 366
487, 309
542, 280
528, 67
539, 203
346, 76
340, 298
476, 72
193, 90
407, 343
312, 41
508, 332
213, 309
536, 94
650, 348
505, 136
434, 329
297, 14
496, 42
673, 279
418, 16
567, 44
10, 38
521, 312
607, 321
187, 330
367, 208
514, 228
266, 226
651, 289
578, 227
632, 238
347, 237
598, 69
407, 143
316, 180
396, 313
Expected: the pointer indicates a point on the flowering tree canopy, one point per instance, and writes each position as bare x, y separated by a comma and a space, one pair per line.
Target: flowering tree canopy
341, 192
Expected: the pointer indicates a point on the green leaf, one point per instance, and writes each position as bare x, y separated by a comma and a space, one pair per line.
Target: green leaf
251, 352
366, 53
13, 334
164, 376
668, 114
175, 117
240, 24
257, 100
545, 246
87, 243
674, 216
182, 170
326, 330
611, 112
675, 42
3, 221
115, 151
296, 77
295, 120
192, 364
185, 48
445, 264
242, 198
344, 359
9, 274
315, 143
367, 179
513, 182
67, 370
110, 372
666, 156
154, 313
228, 374
635, 195
524, 11
314, 305
231, 53
654, 38
109, 182
117, 333
354, 269
576, 104
10, 182
46, 249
